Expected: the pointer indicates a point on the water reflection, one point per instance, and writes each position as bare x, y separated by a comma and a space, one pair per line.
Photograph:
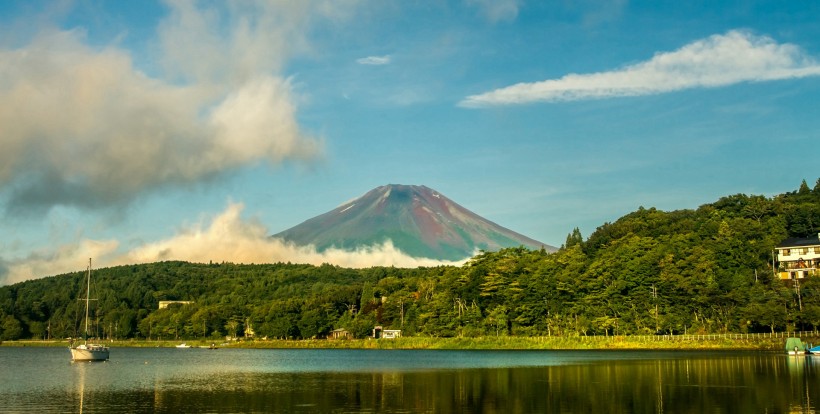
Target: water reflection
254, 381
730, 385
803, 373
81, 383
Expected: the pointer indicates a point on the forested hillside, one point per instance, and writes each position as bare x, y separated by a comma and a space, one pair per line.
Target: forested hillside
696, 271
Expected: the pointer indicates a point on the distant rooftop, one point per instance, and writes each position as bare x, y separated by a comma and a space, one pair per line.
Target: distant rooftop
800, 241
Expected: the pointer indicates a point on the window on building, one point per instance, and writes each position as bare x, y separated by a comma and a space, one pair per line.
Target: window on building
786, 252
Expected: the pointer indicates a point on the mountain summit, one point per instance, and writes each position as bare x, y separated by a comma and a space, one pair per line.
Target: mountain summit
418, 220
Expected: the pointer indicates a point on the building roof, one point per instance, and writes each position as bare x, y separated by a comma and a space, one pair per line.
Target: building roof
800, 242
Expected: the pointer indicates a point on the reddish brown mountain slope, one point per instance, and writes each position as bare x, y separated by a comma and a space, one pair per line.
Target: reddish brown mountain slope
418, 220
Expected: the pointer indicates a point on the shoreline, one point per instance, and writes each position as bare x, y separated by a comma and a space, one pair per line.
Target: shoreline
480, 343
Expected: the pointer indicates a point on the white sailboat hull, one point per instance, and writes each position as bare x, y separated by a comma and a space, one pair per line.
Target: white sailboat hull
89, 352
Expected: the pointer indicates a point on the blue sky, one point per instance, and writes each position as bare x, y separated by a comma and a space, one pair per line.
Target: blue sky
142, 131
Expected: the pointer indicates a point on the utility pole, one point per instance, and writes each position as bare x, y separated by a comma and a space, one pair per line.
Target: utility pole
655, 297
401, 306
799, 298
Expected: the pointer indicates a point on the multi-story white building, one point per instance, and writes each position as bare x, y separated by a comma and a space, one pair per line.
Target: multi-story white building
798, 258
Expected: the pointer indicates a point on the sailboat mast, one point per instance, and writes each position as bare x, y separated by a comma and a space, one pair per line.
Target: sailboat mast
87, 297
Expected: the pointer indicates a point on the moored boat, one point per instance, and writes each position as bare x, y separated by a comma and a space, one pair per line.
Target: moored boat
86, 351
89, 352
794, 346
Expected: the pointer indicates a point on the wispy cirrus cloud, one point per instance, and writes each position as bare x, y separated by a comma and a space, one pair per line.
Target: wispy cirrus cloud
374, 60
718, 60
496, 10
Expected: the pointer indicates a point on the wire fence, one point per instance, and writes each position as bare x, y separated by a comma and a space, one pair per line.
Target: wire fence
715, 337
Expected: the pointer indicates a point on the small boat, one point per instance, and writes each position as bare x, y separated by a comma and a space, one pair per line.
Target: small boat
813, 350
86, 351
183, 345
794, 346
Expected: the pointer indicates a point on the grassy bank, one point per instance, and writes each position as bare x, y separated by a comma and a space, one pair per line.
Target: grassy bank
486, 343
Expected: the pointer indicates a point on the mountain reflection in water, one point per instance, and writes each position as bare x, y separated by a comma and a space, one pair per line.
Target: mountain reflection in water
162, 380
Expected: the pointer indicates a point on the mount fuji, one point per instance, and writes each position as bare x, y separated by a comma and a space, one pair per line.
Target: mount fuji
418, 220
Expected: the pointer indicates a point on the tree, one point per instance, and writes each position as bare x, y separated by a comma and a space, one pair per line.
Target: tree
757, 208
313, 323
811, 316
362, 325
232, 325
125, 324
765, 308
37, 330
573, 238
10, 328
804, 188
497, 319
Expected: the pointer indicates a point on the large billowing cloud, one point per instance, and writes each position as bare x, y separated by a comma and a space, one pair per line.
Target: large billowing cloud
716, 61
225, 238
84, 126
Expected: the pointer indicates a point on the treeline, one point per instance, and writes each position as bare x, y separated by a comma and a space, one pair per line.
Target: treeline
708, 270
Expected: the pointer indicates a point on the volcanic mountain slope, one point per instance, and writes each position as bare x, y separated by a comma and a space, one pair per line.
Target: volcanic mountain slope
418, 220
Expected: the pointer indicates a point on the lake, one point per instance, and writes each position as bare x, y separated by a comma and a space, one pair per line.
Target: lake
227, 380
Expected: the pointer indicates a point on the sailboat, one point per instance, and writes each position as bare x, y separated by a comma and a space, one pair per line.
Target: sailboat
86, 351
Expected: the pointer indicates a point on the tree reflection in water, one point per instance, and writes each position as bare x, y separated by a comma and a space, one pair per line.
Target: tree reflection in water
748, 384
164, 381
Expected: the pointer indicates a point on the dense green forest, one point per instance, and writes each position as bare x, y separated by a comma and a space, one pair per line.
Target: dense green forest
707, 270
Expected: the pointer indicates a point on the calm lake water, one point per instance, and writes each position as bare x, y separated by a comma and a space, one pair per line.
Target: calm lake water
351, 381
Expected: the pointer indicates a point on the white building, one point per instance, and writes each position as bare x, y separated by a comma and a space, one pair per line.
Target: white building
164, 303
798, 258
381, 333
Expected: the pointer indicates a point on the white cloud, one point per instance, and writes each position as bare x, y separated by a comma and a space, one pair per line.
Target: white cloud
226, 238
716, 61
496, 10
230, 238
374, 60
597, 12
84, 126
64, 259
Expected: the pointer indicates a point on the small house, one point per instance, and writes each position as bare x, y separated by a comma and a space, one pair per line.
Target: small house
381, 333
340, 333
